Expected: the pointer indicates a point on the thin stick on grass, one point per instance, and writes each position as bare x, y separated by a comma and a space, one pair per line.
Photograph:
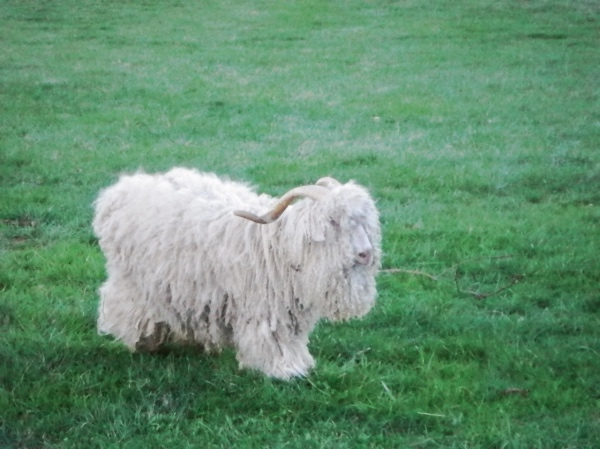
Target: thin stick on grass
455, 267
515, 391
413, 272
436, 415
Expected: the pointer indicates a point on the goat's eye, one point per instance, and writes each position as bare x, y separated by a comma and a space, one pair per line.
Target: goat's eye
334, 223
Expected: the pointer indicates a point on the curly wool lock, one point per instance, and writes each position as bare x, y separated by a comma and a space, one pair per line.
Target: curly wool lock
189, 261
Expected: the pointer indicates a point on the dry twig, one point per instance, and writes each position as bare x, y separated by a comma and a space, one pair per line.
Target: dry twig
477, 295
414, 272
515, 391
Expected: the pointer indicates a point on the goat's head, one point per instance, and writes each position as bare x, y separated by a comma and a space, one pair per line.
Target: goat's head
333, 244
340, 212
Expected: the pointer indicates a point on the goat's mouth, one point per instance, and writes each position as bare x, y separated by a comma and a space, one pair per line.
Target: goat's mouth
359, 266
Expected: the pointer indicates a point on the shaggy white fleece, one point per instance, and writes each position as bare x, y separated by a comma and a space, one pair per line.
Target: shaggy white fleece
182, 267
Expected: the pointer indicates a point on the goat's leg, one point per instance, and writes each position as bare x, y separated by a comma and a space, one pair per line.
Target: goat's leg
276, 353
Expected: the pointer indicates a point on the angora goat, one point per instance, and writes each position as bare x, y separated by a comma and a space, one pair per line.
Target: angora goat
191, 259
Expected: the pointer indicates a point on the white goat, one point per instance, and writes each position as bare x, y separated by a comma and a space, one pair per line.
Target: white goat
185, 264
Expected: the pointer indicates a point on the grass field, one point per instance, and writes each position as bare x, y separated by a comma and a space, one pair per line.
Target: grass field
474, 123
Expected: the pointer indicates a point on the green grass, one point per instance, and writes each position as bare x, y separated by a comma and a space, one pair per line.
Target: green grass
475, 124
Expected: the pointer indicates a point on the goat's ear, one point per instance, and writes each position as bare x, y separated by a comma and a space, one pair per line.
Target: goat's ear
316, 230
317, 233
307, 227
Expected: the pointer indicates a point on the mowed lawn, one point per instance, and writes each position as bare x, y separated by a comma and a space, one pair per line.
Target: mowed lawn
474, 123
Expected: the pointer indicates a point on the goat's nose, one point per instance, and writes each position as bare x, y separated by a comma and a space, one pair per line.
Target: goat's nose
364, 257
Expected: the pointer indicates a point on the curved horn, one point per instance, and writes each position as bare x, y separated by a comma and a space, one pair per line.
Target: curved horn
315, 192
328, 182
